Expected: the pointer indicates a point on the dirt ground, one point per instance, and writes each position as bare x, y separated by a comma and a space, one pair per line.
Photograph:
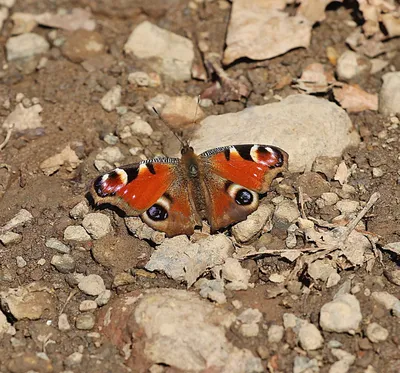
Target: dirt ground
72, 115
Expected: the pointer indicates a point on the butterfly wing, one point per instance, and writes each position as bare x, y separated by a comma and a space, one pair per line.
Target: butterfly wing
233, 177
154, 189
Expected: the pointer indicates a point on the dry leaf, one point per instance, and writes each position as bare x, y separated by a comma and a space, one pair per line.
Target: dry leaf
53, 164
315, 79
354, 99
342, 173
259, 31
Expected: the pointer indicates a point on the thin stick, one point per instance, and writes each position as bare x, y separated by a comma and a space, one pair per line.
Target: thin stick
8, 136
162, 120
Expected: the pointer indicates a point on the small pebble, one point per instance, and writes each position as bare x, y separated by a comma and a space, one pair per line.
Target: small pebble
140, 78
87, 305
377, 172
111, 154
73, 359
41, 262
275, 333
376, 333
122, 279
110, 139
310, 337
103, 298
21, 262
76, 233
63, 323
111, 99
63, 263
10, 238
249, 330
92, 285
347, 206
97, 225
141, 127
85, 321
53, 243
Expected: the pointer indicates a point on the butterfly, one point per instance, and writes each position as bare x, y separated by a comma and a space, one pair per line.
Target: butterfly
173, 195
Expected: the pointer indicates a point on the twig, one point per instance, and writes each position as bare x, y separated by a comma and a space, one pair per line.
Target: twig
8, 136
70, 296
301, 202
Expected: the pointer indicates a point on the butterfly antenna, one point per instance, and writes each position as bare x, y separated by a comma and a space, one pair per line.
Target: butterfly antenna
174, 133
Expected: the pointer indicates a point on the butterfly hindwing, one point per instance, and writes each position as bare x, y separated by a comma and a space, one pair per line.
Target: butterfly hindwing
233, 177
153, 189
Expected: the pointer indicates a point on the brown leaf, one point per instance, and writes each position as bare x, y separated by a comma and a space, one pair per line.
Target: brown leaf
354, 99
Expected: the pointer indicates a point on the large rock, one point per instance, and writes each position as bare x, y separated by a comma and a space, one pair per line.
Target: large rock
304, 126
177, 328
25, 46
389, 96
168, 53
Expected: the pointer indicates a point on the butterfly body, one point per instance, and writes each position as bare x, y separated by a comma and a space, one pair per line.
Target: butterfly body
174, 195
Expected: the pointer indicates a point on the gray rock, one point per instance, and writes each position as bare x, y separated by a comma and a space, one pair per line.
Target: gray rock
183, 260
28, 302
87, 305
21, 262
63, 323
25, 46
341, 315
212, 289
285, 214
304, 126
97, 225
237, 276
112, 98
23, 118
347, 206
329, 198
389, 96
63, 263
389, 301
74, 359
345, 361
196, 328
85, 321
351, 65
140, 78
53, 243
167, 53
79, 210
249, 330
141, 127
376, 333
275, 333
303, 364
103, 298
248, 228
92, 285
310, 337
10, 238
23, 216
321, 269
111, 154
76, 233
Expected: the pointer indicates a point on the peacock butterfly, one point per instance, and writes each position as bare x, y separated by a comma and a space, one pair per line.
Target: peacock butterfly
173, 195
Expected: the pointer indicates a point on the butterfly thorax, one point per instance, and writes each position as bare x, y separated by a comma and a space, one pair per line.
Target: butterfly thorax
191, 162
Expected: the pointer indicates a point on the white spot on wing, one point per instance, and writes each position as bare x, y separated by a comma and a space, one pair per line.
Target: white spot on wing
122, 175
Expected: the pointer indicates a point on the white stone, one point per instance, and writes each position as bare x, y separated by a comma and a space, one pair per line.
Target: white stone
351, 64
21, 218
389, 95
79, 210
103, 298
141, 127
333, 280
21, 262
249, 330
76, 233
237, 276
303, 364
97, 225
55, 244
4, 324
275, 333
330, 198
74, 359
310, 337
87, 305
347, 206
377, 172
376, 333
64, 263
92, 285
389, 301
3, 16
25, 46
304, 126
285, 213
343, 314
111, 154
253, 224
186, 261
139, 78
10, 238
167, 53
112, 98
250, 316
63, 323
